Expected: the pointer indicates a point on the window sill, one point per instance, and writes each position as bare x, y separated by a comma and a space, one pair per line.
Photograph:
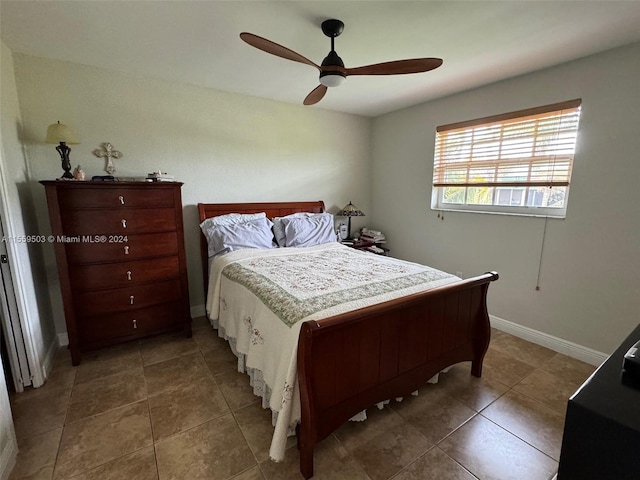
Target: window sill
519, 213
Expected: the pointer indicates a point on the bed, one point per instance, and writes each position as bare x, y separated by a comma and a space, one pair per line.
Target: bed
338, 360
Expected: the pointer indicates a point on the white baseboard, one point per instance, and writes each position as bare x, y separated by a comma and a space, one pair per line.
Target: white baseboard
47, 364
573, 350
198, 311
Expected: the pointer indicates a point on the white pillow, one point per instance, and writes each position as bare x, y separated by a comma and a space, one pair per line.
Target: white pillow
309, 231
253, 234
229, 219
209, 225
278, 226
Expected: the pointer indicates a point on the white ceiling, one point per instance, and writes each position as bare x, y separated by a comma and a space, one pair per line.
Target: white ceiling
197, 42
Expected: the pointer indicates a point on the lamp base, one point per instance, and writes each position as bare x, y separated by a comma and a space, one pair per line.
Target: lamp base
64, 150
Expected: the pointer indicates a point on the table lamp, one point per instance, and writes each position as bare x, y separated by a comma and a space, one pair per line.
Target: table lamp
349, 211
60, 133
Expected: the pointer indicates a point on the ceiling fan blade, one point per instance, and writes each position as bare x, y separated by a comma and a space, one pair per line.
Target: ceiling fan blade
398, 67
316, 95
275, 49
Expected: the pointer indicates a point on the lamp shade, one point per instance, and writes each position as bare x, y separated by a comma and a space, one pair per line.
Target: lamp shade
59, 132
350, 210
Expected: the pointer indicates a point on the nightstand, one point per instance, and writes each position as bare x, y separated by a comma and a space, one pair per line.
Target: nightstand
371, 247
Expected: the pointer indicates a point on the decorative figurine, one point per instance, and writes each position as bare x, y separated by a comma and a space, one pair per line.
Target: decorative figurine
78, 173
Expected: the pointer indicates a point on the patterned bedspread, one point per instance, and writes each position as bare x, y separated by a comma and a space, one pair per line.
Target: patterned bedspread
258, 299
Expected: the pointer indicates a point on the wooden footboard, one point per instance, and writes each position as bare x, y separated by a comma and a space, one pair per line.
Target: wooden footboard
352, 361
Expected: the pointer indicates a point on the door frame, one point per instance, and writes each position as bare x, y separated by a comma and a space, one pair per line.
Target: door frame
12, 330
19, 326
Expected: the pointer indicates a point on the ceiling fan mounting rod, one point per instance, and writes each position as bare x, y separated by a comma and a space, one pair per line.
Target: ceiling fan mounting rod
332, 71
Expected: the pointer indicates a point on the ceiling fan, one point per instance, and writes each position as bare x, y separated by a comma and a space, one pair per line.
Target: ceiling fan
332, 70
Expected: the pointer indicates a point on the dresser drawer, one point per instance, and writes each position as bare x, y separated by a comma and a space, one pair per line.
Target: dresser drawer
104, 329
114, 197
120, 221
122, 274
137, 246
101, 302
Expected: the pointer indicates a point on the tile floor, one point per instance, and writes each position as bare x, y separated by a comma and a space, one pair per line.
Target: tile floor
175, 408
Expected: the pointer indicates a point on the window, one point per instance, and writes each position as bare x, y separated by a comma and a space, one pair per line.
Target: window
518, 162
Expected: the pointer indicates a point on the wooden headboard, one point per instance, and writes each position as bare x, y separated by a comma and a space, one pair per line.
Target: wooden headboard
272, 209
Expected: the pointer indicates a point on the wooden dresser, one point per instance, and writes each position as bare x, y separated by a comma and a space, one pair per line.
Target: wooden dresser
120, 254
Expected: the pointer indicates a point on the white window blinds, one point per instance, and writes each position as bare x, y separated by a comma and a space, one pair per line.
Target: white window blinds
528, 148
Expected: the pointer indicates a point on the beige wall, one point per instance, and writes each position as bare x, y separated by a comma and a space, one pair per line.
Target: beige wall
224, 147
590, 279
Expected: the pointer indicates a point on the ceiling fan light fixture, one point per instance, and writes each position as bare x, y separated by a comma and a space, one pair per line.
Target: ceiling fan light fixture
331, 76
332, 79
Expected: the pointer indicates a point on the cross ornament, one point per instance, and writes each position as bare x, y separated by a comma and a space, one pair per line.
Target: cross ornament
109, 153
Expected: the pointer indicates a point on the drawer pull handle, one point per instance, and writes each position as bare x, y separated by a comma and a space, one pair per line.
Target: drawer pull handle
135, 324
128, 274
126, 249
131, 300
121, 198
124, 223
